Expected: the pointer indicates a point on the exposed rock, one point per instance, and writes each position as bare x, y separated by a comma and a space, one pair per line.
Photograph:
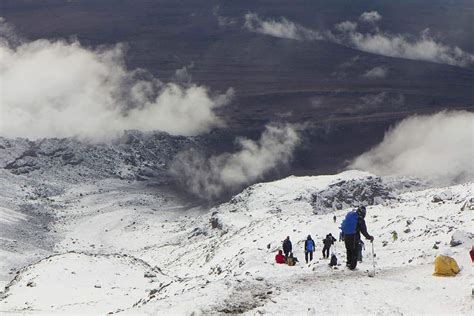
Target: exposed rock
215, 223
443, 196
344, 194
135, 155
149, 274
197, 232
460, 237
468, 205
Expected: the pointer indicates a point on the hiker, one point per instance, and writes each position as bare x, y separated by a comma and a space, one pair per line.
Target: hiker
445, 265
309, 247
341, 235
472, 253
394, 235
333, 261
291, 259
328, 242
352, 226
334, 218
287, 246
280, 258
361, 247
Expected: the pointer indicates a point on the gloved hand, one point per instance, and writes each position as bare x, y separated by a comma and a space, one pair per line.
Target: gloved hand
371, 238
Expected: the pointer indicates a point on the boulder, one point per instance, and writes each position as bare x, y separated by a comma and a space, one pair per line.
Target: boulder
443, 196
460, 237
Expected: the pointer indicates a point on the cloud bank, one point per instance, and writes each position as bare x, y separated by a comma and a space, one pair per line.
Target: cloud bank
282, 28
422, 47
61, 89
209, 177
438, 147
396, 45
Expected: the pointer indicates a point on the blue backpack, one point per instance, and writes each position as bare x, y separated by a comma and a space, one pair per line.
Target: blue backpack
349, 224
310, 245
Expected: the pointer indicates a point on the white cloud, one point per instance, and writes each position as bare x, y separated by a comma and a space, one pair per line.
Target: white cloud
209, 177
61, 88
422, 47
317, 102
439, 147
374, 99
182, 75
223, 21
376, 73
372, 17
346, 26
282, 28
380, 100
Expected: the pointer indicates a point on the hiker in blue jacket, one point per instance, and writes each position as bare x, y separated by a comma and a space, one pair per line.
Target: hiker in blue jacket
352, 226
309, 247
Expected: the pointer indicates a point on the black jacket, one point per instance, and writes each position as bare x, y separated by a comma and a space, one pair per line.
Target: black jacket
362, 228
287, 246
329, 240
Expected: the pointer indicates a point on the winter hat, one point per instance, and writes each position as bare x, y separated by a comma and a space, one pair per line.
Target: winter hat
361, 211
445, 252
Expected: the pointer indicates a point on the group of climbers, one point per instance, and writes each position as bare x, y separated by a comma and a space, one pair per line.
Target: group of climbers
352, 226
286, 256
351, 229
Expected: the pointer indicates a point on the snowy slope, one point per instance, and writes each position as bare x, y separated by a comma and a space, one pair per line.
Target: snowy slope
149, 253
35, 173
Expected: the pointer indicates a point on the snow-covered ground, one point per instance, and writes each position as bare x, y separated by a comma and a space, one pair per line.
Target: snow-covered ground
117, 245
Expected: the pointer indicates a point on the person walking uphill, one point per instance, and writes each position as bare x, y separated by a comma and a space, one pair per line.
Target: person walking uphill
328, 242
352, 226
287, 246
309, 246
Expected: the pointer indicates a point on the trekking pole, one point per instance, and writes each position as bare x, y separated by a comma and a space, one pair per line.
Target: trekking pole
373, 262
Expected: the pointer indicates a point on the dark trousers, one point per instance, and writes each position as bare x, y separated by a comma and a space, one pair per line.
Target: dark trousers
352, 250
308, 254
287, 253
326, 251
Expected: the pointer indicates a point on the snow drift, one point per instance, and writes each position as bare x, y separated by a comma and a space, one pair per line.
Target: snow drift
439, 147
